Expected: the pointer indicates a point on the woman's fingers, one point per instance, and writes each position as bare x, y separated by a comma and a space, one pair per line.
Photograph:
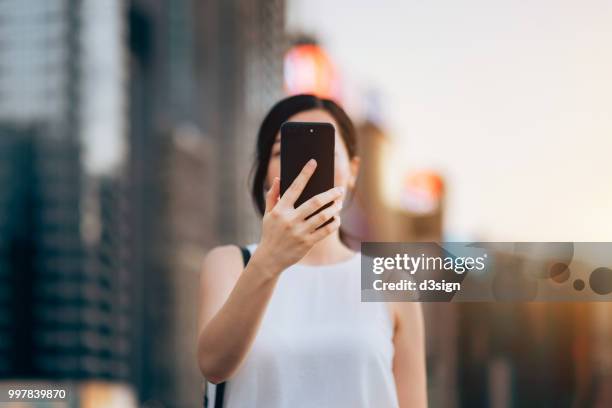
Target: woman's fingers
318, 201
326, 230
322, 216
272, 194
295, 189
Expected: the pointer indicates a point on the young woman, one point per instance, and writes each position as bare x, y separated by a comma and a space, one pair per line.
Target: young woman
289, 329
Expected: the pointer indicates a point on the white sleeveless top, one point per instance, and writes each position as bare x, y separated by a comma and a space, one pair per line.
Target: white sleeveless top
318, 345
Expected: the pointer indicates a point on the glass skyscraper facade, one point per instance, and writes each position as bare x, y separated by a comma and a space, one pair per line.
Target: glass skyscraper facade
122, 125
65, 313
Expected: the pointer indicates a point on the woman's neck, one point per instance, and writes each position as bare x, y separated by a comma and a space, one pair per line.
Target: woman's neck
327, 251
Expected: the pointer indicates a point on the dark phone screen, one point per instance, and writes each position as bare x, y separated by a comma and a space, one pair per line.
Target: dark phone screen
300, 142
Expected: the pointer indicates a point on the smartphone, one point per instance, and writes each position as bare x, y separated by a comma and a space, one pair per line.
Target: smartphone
300, 142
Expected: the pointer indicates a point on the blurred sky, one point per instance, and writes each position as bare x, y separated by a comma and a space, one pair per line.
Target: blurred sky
510, 100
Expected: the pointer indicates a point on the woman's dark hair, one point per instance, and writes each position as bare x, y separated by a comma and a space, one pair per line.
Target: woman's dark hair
279, 114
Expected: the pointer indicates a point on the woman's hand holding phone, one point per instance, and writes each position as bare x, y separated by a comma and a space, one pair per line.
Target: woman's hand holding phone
288, 233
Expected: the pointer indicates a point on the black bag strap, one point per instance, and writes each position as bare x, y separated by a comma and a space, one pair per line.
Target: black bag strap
219, 394
246, 255
220, 390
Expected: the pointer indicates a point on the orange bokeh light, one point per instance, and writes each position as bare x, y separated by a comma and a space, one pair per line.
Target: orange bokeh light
308, 69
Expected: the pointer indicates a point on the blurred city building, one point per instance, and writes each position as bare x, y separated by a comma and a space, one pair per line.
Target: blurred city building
76, 265
126, 135
202, 75
63, 258
240, 66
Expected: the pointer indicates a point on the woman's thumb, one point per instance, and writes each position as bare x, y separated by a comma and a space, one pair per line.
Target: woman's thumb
272, 194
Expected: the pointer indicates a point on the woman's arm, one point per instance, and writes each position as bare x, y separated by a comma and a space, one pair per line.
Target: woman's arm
231, 308
409, 361
233, 303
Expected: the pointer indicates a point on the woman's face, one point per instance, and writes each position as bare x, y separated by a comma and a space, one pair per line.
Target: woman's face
345, 168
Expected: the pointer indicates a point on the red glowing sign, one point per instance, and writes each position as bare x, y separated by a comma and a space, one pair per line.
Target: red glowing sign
422, 192
308, 69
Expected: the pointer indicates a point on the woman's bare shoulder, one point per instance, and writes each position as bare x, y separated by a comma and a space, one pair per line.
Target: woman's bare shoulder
406, 313
223, 252
225, 260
